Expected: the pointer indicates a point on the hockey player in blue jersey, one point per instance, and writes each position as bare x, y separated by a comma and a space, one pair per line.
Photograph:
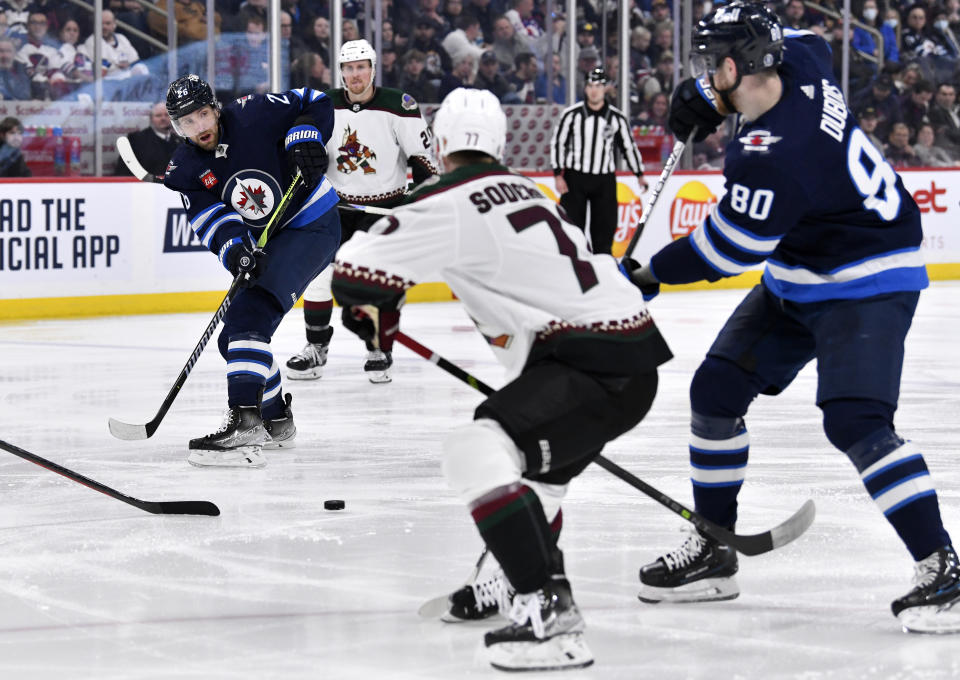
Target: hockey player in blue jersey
231, 173
808, 193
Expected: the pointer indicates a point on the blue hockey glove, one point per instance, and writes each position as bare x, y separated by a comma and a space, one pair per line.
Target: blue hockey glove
691, 107
305, 151
245, 258
641, 276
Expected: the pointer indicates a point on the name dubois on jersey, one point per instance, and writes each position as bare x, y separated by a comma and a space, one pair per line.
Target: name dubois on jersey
834, 118
500, 193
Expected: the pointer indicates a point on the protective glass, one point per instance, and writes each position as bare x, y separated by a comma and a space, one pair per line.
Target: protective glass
703, 65
196, 122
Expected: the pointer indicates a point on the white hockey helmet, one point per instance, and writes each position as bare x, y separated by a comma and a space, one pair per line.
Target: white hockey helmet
470, 120
358, 50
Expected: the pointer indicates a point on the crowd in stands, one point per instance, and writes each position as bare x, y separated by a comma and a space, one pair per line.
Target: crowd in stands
430, 47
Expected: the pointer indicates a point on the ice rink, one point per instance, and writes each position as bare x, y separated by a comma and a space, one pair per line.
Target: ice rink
277, 587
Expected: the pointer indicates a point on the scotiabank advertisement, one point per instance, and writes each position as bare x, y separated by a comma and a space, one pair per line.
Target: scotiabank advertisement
77, 238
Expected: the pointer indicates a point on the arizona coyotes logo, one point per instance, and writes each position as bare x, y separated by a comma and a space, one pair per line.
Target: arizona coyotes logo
354, 154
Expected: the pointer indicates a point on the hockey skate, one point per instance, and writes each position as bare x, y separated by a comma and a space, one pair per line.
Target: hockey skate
237, 443
282, 431
479, 600
308, 365
700, 570
546, 633
933, 606
378, 366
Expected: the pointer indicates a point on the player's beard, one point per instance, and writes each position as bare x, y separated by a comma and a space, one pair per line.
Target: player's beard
211, 143
358, 92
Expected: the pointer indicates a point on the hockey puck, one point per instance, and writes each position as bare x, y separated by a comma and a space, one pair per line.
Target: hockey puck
334, 505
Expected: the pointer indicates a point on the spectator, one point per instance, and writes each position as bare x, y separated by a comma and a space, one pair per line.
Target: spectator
709, 154
557, 92
916, 104
484, 11
661, 80
523, 79
288, 39
425, 40
308, 70
120, 59
867, 120
17, 13
490, 78
463, 39
132, 13
941, 31
191, 17
14, 81
428, 10
12, 163
415, 81
586, 36
657, 111
507, 44
462, 75
662, 43
318, 39
639, 44
587, 60
918, 41
890, 31
389, 69
40, 55
386, 28
929, 155
943, 117
864, 42
350, 31
153, 145
909, 76
898, 152
251, 58
793, 16
526, 26
76, 66
879, 95
452, 12
659, 17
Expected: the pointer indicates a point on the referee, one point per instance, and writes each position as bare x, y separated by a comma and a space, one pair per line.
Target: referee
584, 163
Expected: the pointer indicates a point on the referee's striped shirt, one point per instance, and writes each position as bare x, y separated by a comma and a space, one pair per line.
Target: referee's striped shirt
584, 140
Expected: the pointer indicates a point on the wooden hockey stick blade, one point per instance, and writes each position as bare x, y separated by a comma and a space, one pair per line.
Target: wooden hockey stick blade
754, 544
130, 160
155, 507
129, 432
437, 607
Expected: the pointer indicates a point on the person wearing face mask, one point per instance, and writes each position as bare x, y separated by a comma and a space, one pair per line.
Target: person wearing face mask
941, 29
891, 35
863, 41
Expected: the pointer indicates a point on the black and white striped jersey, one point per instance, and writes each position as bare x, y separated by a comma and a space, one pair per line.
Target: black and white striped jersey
587, 140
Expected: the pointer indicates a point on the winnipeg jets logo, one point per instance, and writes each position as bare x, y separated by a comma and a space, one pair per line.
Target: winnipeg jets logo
253, 194
808, 90
759, 140
242, 101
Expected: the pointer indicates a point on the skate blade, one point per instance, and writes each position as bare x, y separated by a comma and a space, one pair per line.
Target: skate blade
242, 457
707, 590
932, 620
379, 377
560, 652
307, 374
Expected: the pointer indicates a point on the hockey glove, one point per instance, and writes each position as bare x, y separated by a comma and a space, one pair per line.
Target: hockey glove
245, 258
693, 106
641, 276
376, 326
306, 152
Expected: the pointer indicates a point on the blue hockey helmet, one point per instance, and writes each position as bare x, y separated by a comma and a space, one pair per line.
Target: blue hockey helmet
747, 32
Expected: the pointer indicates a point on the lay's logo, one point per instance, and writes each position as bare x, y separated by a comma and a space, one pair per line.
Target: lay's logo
690, 208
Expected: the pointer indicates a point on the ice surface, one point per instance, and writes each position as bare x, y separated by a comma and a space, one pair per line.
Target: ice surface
277, 587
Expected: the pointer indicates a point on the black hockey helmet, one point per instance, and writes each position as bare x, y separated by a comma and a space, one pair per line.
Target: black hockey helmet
189, 93
747, 32
597, 75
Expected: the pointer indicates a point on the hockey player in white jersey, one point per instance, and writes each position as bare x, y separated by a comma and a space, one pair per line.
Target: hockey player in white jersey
377, 133
580, 351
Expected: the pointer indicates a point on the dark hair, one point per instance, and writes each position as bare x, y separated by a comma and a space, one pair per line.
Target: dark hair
468, 157
922, 86
522, 59
8, 124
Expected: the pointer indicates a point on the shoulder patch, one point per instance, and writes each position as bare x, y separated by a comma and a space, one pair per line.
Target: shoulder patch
808, 90
408, 102
209, 179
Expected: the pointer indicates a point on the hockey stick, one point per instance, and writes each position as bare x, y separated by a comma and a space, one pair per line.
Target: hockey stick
668, 167
371, 209
155, 507
128, 431
130, 160
431, 609
753, 544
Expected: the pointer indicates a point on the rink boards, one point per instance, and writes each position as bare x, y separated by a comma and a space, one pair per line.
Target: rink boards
115, 246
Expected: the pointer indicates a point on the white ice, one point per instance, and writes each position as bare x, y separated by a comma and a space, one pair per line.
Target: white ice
277, 587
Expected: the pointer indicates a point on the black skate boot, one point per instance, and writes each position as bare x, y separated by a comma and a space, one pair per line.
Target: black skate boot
282, 431
308, 365
933, 606
546, 633
480, 600
700, 570
378, 366
237, 443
